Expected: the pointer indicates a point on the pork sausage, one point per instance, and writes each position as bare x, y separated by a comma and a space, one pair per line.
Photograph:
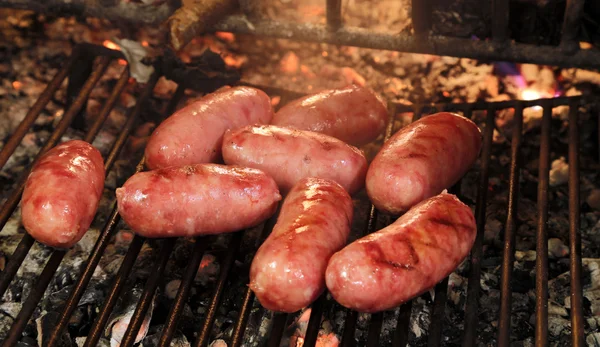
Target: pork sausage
405, 259
421, 160
288, 270
353, 114
193, 135
196, 200
289, 155
62, 193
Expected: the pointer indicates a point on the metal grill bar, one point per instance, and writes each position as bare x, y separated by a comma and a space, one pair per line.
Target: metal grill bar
200, 246
577, 331
148, 294
117, 287
312, 330
500, 10
374, 329
421, 16
437, 314
334, 14
471, 315
277, 329
570, 29
400, 337
541, 261
14, 334
36, 110
233, 246
510, 231
436, 45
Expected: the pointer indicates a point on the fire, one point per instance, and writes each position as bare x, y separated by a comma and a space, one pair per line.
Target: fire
225, 36
530, 94
111, 45
17, 85
145, 43
275, 100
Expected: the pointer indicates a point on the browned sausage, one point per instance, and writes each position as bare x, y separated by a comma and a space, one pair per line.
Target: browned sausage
196, 200
193, 135
62, 193
353, 114
288, 271
289, 155
407, 258
421, 160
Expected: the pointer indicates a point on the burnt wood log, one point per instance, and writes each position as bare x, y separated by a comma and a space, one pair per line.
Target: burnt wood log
131, 11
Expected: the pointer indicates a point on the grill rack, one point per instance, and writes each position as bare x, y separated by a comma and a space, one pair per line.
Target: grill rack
85, 54
499, 46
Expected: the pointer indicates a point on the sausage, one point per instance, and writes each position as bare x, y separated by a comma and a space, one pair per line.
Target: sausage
405, 259
421, 160
62, 193
288, 270
193, 135
289, 155
353, 114
196, 200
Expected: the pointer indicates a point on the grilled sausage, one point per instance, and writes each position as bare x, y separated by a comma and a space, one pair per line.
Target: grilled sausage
62, 193
193, 135
421, 160
289, 155
353, 114
407, 258
196, 200
288, 271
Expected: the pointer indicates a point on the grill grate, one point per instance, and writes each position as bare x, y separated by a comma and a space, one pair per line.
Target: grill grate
400, 336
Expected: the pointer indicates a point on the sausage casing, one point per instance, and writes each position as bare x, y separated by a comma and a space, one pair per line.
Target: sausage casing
353, 114
288, 270
193, 135
289, 155
421, 160
62, 193
196, 200
405, 259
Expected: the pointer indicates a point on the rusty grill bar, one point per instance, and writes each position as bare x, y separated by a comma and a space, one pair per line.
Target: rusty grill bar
400, 336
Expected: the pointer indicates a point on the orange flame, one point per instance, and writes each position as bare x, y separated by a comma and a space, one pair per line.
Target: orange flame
17, 85
111, 45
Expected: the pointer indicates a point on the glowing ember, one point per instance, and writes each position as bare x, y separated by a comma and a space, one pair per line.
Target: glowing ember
233, 61
275, 100
227, 37
145, 44
530, 94
111, 45
17, 85
207, 260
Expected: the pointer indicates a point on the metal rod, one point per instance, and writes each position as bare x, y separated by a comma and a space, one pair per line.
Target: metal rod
436, 45
334, 14
14, 263
541, 261
374, 329
349, 329
242, 321
577, 325
277, 329
233, 246
509, 233
11, 145
421, 16
12, 202
111, 299
400, 337
131, 120
471, 308
437, 314
19, 324
501, 13
148, 294
573, 12
108, 106
185, 286
314, 323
